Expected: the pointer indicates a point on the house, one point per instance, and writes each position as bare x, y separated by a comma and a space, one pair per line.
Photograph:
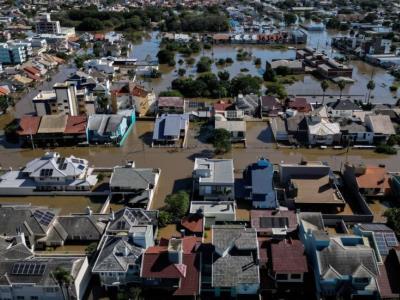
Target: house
136, 186
118, 261
370, 180
297, 129
299, 104
39, 273
218, 211
167, 105
193, 224
75, 129
173, 266
343, 265
381, 126
143, 99
292, 66
248, 104
273, 223
270, 106
259, 185
170, 130
103, 128
289, 266
51, 172
311, 186
237, 129
342, 108
213, 179
234, 266
278, 128
321, 131
355, 133
28, 127
126, 219
31, 223
228, 110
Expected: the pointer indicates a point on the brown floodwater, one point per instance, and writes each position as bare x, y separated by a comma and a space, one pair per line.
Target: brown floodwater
177, 165
307, 85
67, 204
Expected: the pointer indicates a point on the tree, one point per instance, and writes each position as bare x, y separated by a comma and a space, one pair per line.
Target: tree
90, 24
91, 248
181, 72
102, 103
370, 87
64, 279
4, 103
79, 62
171, 93
166, 56
164, 218
341, 85
203, 65
276, 89
269, 74
324, 87
222, 140
290, 18
393, 218
177, 204
223, 75
245, 84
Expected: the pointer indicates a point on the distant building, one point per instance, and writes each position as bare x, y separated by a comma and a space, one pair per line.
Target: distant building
12, 54
44, 24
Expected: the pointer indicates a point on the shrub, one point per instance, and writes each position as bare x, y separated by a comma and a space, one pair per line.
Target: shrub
386, 149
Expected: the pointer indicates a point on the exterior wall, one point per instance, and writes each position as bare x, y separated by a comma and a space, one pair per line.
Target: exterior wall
29, 290
40, 108
216, 191
82, 279
247, 289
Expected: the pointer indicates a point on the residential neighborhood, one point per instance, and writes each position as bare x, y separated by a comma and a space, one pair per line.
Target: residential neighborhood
199, 150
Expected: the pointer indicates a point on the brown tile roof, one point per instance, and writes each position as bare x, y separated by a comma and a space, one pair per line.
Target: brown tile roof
138, 91
300, 104
193, 223
155, 264
28, 125
222, 106
76, 125
170, 101
288, 257
257, 216
373, 178
4, 91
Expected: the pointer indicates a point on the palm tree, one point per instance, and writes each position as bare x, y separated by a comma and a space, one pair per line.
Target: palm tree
64, 279
324, 87
341, 85
370, 87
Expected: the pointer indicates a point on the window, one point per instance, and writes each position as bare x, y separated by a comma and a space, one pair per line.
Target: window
34, 298
281, 277
20, 297
295, 276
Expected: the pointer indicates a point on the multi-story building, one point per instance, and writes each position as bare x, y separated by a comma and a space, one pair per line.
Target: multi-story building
63, 99
12, 54
44, 24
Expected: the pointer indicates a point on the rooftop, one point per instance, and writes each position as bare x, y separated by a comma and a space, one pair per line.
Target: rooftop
288, 257
217, 171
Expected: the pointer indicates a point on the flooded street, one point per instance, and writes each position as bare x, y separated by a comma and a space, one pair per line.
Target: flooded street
177, 165
308, 85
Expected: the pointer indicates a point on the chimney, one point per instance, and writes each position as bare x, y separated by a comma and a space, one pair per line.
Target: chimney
126, 251
112, 214
89, 210
182, 232
175, 251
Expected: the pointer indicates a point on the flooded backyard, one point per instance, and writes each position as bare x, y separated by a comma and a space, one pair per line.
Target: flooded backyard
66, 204
307, 85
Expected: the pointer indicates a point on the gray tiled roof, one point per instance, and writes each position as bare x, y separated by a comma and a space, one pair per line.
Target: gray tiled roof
133, 178
117, 254
169, 125
84, 226
239, 264
104, 124
126, 218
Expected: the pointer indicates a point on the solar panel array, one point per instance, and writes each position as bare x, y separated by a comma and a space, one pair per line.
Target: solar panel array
381, 243
391, 239
46, 172
28, 268
43, 218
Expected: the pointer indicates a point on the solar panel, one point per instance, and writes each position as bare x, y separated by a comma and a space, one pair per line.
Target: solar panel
38, 214
28, 269
381, 243
391, 239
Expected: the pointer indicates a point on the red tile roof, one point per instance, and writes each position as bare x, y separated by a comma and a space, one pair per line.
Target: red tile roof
155, 264
76, 125
222, 106
32, 70
193, 223
99, 36
170, 101
4, 91
138, 91
300, 104
373, 177
28, 125
288, 257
